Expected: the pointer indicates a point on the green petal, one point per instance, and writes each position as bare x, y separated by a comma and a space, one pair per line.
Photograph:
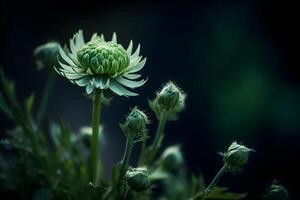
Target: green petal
129, 83
139, 66
132, 76
114, 67
65, 57
70, 68
72, 46
101, 82
100, 70
89, 88
74, 58
102, 37
79, 40
83, 81
135, 61
72, 76
136, 53
120, 90
129, 48
114, 38
94, 37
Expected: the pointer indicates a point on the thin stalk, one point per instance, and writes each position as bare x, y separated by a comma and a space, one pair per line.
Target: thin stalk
213, 184
143, 149
108, 193
95, 135
126, 156
159, 133
45, 99
124, 165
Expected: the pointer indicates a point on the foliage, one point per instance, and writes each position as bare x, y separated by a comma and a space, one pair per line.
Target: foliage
44, 160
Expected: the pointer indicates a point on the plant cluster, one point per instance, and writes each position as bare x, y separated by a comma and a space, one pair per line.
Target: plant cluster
42, 160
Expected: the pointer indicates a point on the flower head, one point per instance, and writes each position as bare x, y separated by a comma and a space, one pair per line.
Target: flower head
46, 55
138, 179
101, 64
236, 156
135, 123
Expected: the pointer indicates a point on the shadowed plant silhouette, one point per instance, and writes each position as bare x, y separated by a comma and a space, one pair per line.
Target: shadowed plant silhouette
57, 163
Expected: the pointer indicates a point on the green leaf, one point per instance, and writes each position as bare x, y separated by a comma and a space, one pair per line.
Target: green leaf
55, 133
28, 105
222, 193
8, 87
65, 136
115, 174
17, 114
4, 107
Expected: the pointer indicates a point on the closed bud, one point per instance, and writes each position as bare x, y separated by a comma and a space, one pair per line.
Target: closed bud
46, 55
135, 123
172, 159
276, 192
169, 97
85, 135
138, 179
236, 156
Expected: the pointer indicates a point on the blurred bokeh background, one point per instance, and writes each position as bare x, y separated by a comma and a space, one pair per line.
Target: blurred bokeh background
237, 61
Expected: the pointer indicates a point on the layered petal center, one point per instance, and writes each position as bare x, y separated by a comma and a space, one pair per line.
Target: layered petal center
103, 58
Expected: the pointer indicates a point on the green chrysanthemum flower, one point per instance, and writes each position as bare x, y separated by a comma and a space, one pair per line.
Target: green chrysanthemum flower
101, 64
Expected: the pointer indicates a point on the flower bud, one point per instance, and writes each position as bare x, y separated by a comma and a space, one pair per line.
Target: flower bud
236, 156
276, 192
85, 135
46, 55
138, 179
169, 97
135, 122
172, 159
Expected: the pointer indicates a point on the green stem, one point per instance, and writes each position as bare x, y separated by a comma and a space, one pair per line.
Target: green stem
213, 184
143, 149
124, 164
158, 137
45, 99
126, 157
95, 136
108, 193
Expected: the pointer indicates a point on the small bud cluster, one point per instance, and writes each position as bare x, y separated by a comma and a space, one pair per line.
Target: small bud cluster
135, 123
236, 156
170, 99
138, 179
46, 55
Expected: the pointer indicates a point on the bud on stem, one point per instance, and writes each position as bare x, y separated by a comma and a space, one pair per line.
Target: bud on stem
236, 156
135, 123
46, 55
138, 179
134, 126
276, 192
